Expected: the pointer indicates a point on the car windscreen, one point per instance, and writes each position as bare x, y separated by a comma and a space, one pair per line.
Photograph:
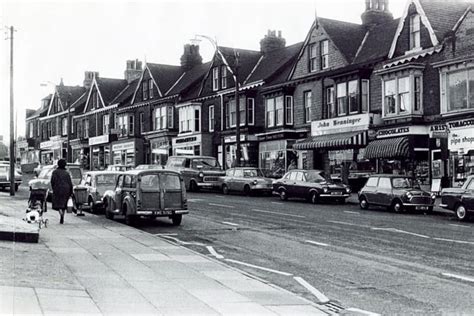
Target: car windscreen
205, 163
150, 182
105, 179
75, 173
404, 183
317, 177
252, 173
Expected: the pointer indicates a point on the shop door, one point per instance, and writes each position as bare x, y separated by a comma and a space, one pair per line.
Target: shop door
171, 191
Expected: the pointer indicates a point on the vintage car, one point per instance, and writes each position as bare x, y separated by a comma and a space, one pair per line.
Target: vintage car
147, 193
312, 185
97, 183
396, 192
119, 168
246, 180
43, 180
460, 200
5, 177
198, 172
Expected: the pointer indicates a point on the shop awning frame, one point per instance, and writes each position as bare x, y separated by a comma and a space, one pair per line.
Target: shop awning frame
333, 141
395, 147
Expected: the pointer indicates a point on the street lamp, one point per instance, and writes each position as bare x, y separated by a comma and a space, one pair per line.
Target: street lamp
235, 76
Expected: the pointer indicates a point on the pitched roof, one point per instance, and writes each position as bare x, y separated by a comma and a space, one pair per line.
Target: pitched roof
109, 88
69, 94
346, 36
247, 60
126, 94
80, 103
190, 78
165, 76
273, 61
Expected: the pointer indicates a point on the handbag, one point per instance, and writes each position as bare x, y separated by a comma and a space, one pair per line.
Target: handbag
70, 205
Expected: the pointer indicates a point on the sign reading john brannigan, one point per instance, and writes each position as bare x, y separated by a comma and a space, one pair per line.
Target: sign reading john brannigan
340, 124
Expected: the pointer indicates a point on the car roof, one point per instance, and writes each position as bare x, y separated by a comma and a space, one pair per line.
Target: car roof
390, 175
149, 171
192, 156
304, 170
102, 172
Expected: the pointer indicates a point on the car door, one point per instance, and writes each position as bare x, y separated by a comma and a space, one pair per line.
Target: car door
384, 192
227, 179
370, 190
171, 194
292, 183
301, 186
118, 193
150, 192
237, 180
468, 196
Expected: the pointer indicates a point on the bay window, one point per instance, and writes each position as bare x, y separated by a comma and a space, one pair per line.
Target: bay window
131, 125
189, 118
457, 90
123, 124
353, 93
402, 95
341, 98
279, 110
330, 105
351, 97
365, 96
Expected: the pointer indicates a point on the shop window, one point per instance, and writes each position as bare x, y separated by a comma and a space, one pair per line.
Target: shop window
279, 110
215, 78
150, 88
223, 77
313, 58
457, 90
324, 52
251, 111
307, 100
415, 32
353, 93
341, 98
270, 112
211, 118
402, 95
289, 109
106, 124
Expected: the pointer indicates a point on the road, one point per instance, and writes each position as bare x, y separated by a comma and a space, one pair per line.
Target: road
372, 260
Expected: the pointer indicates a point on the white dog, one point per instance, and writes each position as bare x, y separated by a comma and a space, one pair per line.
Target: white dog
32, 216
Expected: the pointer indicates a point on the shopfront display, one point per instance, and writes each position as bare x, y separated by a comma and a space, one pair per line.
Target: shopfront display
461, 149
249, 151
160, 151
276, 157
128, 152
100, 152
196, 144
52, 150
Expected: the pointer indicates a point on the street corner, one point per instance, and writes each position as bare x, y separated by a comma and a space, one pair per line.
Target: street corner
15, 229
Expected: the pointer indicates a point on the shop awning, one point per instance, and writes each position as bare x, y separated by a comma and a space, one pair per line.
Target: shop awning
388, 148
336, 141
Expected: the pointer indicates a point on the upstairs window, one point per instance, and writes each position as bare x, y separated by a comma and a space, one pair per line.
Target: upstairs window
279, 110
145, 90
131, 125
242, 111
30, 130
223, 77
270, 112
415, 31
251, 111
289, 109
457, 90
189, 119
353, 94
324, 53
402, 95
106, 124
142, 122
307, 100
330, 105
215, 78
341, 99
63, 126
86, 128
211, 118
350, 97
197, 119
150, 88
313, 58
94, 100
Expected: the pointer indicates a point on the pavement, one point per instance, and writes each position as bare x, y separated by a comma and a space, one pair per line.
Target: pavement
91, 265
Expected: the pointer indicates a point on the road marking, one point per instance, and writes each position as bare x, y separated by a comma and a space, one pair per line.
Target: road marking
361, 311
214, 253
317, 243
195, 200
259, 267
278, 213
279, 203
350, 212
457, 225
183, 242
456, 241
349, 224
166, 234
221, 205
460, 277
320, 296
394, 230
231, 224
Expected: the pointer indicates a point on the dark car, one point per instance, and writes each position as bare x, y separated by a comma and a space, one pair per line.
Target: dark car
147, 193
396, 192
199, 172
43, 180
246, 180
312, 185
5, 176
97, 183
460, 200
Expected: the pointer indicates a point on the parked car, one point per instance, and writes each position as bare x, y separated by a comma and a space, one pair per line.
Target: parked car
312, 185
198, 171
396, 192
119, 168
148, 167
460, 200
5, 177
97, 183
147, 193
43, 180
246, 180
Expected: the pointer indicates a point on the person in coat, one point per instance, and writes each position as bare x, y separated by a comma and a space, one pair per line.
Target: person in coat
61, 184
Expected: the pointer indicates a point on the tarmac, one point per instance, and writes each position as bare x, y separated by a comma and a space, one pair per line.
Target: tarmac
91, 265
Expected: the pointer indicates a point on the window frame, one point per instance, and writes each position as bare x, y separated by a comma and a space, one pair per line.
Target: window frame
145, 90
215, 78
410, 77
415, 33
224, 76
446, 91
131, 124
324, 54
211, 118
251, 111
289, 110
105, 124
280, 111
313, 57
307, 105
330, 102
150, 88
270, 122
343, 98
142, 122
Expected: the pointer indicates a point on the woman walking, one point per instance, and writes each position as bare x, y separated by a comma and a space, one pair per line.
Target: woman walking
61, 184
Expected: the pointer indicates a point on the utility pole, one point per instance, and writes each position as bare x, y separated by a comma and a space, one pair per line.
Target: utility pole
237, 110
12, 128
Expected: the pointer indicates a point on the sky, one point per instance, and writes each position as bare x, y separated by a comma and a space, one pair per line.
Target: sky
63, 39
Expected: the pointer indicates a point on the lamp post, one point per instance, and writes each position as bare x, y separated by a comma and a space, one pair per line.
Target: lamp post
235, 76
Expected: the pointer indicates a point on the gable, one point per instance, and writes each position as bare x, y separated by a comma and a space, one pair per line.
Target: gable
94, 99
55, 105
463, 37
145, 79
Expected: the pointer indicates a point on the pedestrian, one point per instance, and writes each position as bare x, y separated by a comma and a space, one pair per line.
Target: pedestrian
62, 188
292, 165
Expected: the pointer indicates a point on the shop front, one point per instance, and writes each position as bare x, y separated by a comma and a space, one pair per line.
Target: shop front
100, 151
29, 156
248, 149
402, 150
461, 150
52, 150
160, 150
128, 152
197, 144
80, 152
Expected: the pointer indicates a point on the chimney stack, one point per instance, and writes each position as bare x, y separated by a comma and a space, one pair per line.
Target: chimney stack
376, 13
191, 57
133, 70
271, 42
88, 77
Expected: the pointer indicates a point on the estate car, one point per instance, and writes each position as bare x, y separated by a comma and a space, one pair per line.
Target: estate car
97, 183
198, 171
459, 200
147, 193
246, 180
396, 192
312, 185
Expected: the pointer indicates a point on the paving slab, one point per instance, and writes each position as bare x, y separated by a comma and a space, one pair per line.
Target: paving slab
15, 229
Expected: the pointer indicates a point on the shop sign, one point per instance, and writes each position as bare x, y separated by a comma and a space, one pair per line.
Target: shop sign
400, 131
439, 131
49, 144
183, 151
186, 140
350, 123
460, 124
461, 140
22, 144
98, 140
123, 146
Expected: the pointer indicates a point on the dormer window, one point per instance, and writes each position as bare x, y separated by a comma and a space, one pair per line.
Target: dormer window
215, 78
145, 90
324, 52
415, 32
313, 58
150, 88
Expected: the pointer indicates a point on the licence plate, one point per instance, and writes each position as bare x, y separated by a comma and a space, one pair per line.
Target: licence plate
422, 208
164, 213
336, 193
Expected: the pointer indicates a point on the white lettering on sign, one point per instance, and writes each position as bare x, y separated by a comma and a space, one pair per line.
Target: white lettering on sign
123, 146
98, 140
405, 130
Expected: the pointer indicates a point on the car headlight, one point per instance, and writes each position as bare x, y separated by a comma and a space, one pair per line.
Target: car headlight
325, 190
254, 182
433, 196
201, 175
348, 190
409, 195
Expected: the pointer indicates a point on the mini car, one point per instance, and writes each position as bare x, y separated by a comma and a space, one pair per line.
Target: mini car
147, 193
97, 183
396, 192
245, 180
312, 185
199, 172
460, 200
5, 177
43, 180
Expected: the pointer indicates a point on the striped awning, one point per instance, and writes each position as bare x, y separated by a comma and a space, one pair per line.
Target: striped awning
333, 141
388, 148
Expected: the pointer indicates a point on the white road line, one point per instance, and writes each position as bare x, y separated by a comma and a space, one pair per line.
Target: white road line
214, 253
361, 311
221, 205
278, 213
456, 241
259, 267
279, 203
349, 224
457, 225
317, 243
166, 234
460, 277
394, 230
231, 224
195, 200
350, 212
320, 296
183, 242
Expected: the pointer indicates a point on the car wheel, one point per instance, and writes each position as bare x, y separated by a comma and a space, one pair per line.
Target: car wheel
247, 190
90, 205
461, 212
176, 219
193, 186
363, 203
225, 189
314, 197
397, 206
108, 213
283, 195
